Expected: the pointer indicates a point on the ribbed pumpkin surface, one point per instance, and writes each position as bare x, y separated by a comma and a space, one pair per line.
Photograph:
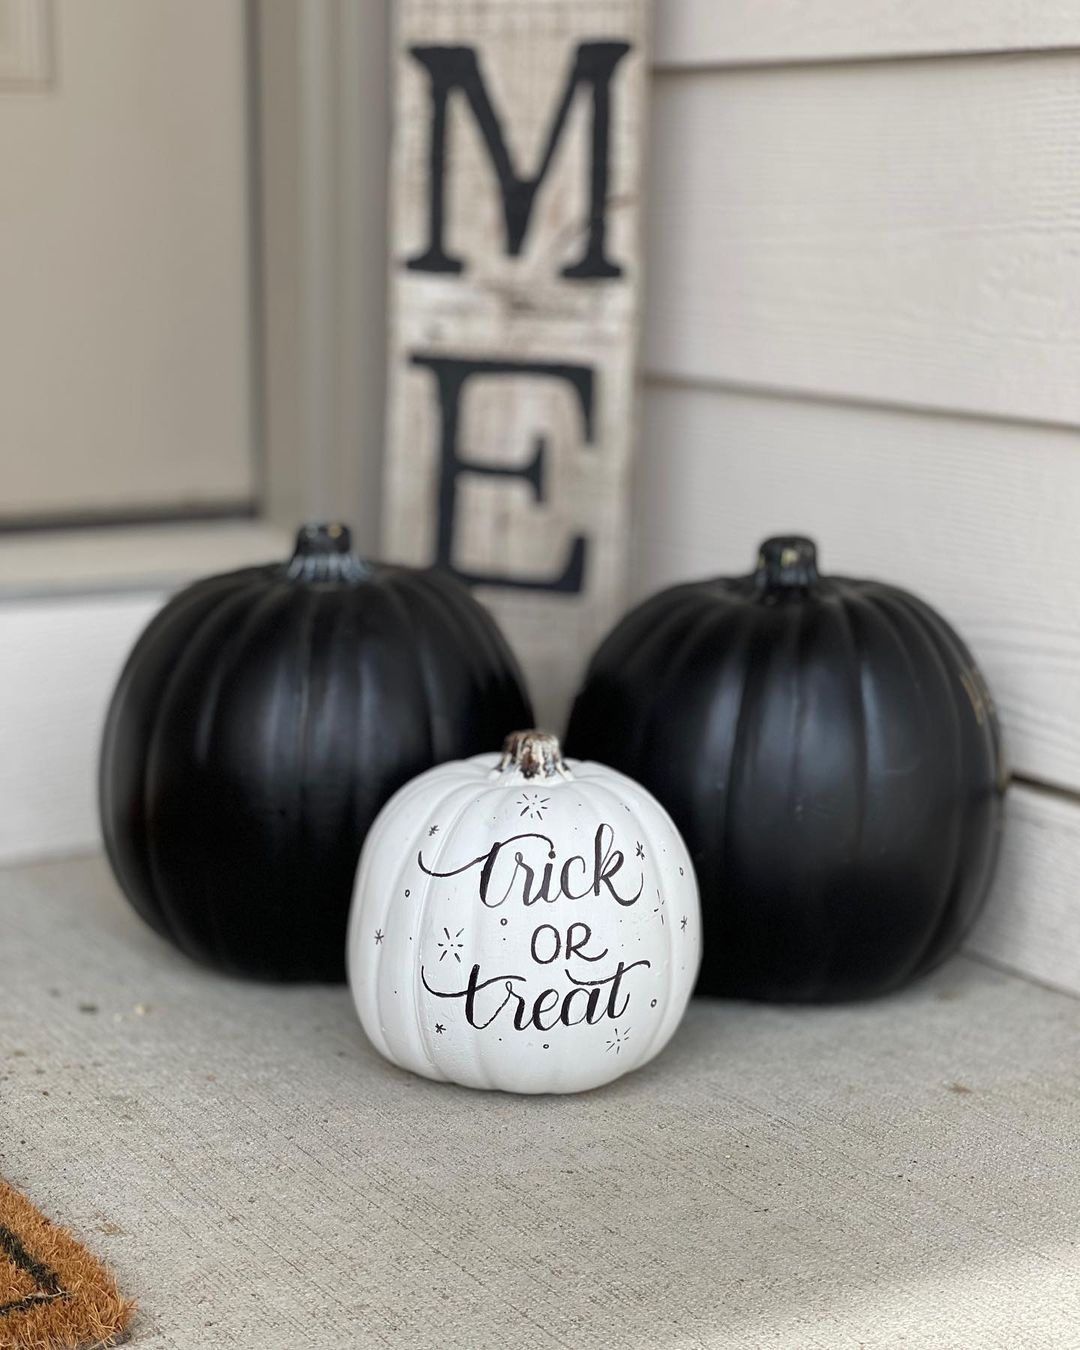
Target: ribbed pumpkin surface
831, 755
262, 720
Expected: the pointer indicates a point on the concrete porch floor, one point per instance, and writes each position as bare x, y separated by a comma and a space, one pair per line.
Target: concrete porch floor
899, 1173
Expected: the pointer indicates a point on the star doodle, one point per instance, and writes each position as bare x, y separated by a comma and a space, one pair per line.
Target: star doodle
657, 909
379, 935
640, 849
439, 1028
451, 946
532, 805
434, 830
682, 923
618, 1039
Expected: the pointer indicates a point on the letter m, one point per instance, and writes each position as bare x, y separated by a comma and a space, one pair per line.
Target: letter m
456, 68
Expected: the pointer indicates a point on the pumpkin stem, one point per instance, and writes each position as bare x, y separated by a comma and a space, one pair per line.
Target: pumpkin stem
533, 754
787, 562
323, 552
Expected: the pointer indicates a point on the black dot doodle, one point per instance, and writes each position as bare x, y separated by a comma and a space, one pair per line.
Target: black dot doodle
653, 1004
503, 922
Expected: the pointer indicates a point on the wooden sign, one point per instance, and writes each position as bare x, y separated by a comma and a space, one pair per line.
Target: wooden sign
514, 299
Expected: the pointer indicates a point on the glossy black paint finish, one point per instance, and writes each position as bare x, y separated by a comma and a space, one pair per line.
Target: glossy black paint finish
831, 755
262, 720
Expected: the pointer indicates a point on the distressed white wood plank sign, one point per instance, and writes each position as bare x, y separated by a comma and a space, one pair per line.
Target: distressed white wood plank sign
514, 298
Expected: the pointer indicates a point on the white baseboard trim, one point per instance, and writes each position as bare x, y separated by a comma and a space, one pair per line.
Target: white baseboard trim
60, 660
1032, 922
72, 603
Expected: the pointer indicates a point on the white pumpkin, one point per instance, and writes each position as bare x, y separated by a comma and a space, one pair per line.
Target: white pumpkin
523, 923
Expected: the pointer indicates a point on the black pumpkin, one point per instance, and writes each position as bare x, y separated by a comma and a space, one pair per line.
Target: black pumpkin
260, 723
832, 757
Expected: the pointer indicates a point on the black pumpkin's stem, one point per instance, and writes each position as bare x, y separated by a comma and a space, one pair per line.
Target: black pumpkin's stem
323, 552
534, 755
787, 562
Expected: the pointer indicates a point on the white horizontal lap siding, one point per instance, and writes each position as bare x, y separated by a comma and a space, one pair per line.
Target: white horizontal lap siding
978, 517
703, 32
863, 323
897, 232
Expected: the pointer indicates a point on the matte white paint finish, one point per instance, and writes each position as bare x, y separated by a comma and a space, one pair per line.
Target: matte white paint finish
1031, 923
59, 660
452, 881
730, 32
906, 232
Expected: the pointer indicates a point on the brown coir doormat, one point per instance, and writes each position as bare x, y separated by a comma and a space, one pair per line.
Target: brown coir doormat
53, 1293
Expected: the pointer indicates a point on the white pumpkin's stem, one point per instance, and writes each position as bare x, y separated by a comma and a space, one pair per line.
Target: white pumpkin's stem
534, 755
